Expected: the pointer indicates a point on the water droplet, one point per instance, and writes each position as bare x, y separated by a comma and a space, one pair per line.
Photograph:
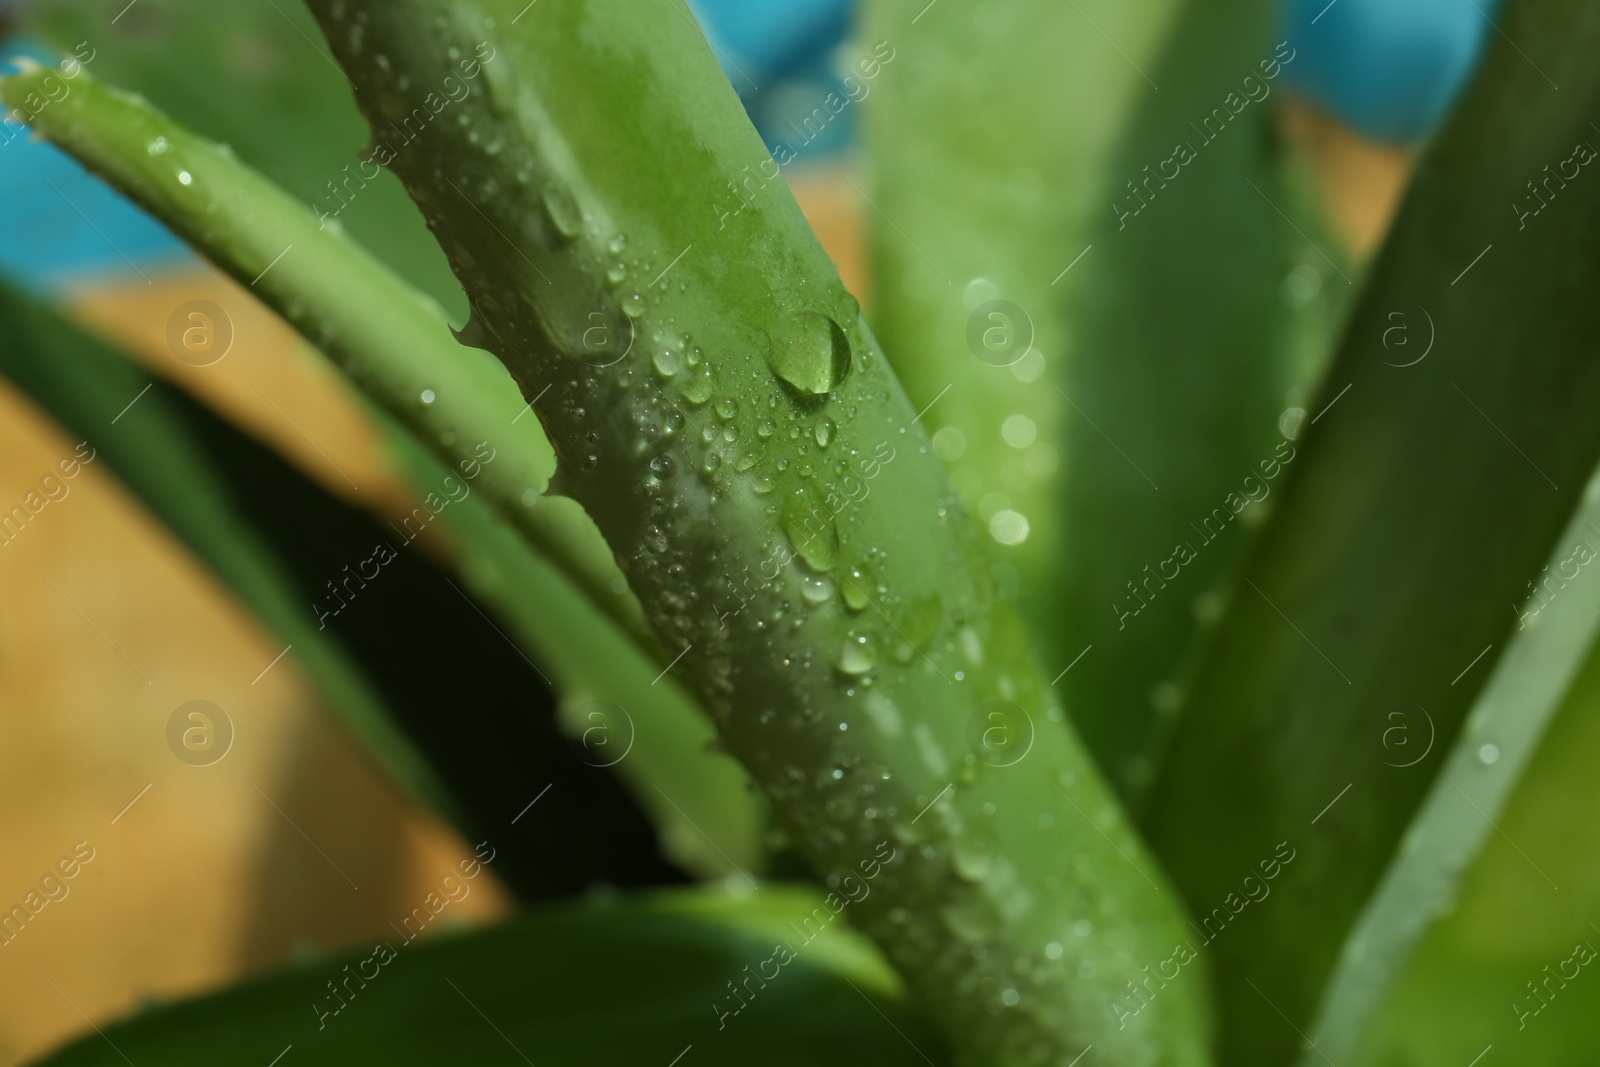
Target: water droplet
618, 242
158, 146
563, 211
1053, 950
764, 429
818, 590
854, 589
726, 407
1010, 998
1488, 754
824, 431
696, 386
812, 533
428, 396
185, 178
668, 360
1083, 927
616, 272
633, 305
811, 353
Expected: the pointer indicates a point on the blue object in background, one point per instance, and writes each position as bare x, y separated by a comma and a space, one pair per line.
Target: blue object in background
1390, 69
762, 42
59, 223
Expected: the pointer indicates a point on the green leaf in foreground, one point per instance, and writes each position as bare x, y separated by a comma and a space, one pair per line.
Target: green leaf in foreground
1530, 683
1429, 488
394, 344
760, 477
1525, 908
240, 72
275, 539
637, 982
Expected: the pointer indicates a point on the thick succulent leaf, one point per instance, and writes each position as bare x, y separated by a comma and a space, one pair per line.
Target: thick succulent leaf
623, 714
1423, 500
1500, 736
275, 539
254, 76
846, 670
1142, 372
1527, 905
1194, 327
645, 980
983, 186
391, 341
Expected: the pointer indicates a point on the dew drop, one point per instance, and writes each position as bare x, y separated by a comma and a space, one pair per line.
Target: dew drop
633, 305
1488, 754
668, 360
696, 386
823, 431
818, 590
816, 542
158, 146
428, 396
563, 211
810, 352
857, 655
855, 589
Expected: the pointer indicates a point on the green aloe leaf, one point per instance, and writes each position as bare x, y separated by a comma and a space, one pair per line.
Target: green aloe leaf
641, 981
1509, 963
614, 700
397, 348
276, 540
392, 342
1431, 481
254, 76
1186, 349
760, 476
1531, 683
973, 224
988, 234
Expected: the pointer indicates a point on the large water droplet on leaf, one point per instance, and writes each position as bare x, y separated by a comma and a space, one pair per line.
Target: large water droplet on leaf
812, 533
563, 211
811, 353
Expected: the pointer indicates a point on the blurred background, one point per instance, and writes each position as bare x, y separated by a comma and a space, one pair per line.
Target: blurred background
292, 842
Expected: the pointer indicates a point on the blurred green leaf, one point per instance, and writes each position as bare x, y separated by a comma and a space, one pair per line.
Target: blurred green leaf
275, 538
643, 981
1527, 903
982, 187
256, 75
1530, 684
1195, 323
1422, 501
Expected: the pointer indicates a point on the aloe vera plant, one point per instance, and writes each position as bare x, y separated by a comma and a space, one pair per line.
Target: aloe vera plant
1201, 847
